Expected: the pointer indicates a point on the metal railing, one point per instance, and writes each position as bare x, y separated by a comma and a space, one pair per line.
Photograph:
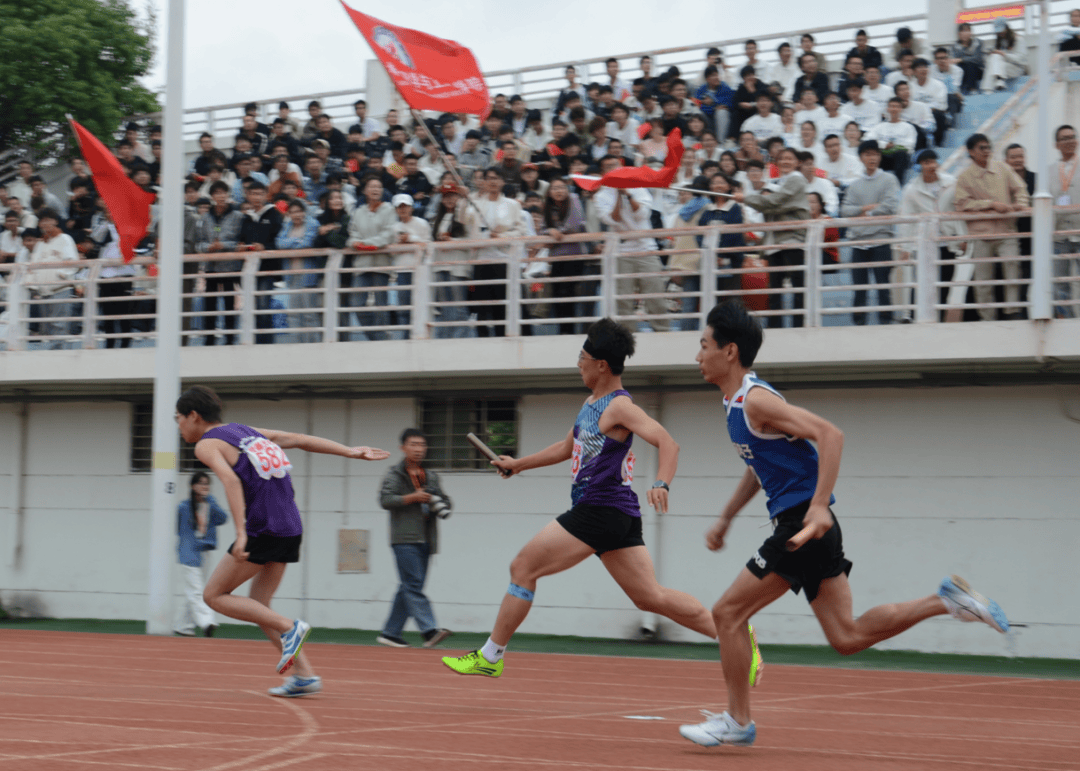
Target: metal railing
509, 287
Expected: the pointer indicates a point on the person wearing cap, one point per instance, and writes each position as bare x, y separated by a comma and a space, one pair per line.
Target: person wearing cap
1005, 60
874, 194
408, 229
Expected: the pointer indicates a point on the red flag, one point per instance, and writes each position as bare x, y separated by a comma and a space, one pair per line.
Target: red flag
640, 176
431, 73
128, 203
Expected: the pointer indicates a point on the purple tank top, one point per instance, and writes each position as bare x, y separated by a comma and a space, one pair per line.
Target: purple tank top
263, 469
601, 467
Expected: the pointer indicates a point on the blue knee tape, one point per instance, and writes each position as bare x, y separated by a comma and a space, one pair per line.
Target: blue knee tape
520, 592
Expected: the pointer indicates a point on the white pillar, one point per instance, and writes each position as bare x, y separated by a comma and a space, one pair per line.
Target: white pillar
167, 354
1042, 218
941, 21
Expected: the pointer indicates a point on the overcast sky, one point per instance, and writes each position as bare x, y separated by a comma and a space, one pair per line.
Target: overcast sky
241, 50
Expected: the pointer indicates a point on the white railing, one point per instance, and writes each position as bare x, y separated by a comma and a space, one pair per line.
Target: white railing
468, 288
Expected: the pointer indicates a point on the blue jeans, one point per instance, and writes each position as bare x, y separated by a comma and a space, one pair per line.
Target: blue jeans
360, 300
880, 275
412, 564
404, 297
690, 301
456, 293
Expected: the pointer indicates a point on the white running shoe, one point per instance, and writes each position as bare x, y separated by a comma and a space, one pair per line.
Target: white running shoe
719, 729
965, 604
297, 686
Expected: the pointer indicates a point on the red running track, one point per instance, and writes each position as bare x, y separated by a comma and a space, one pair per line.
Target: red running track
80, 701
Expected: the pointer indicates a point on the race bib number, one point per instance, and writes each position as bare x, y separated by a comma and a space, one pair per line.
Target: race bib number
575, 459
628, 468
266, 458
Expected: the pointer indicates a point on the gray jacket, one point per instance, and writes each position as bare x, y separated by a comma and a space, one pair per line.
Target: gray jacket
787, 202
410, 522
883, 190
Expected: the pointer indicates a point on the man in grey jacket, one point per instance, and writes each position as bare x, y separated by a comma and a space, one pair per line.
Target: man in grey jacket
875, 194
784, 200
409, 492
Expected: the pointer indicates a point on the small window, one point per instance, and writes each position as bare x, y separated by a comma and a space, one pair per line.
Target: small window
447, 421
142, 442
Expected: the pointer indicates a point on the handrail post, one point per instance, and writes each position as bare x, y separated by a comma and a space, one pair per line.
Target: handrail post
812, 300
709, 244
608, 304
331, 293
90, 295
513, 290
925, 270
421, 293
17, 327
247, 299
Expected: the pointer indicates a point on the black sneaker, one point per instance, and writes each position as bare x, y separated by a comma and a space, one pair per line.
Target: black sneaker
209, 631
393, 642
433, 637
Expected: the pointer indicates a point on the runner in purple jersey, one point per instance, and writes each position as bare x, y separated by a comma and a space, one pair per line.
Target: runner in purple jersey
254, 469
605, 518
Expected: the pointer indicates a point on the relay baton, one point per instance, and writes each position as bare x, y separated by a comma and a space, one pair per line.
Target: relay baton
474, 440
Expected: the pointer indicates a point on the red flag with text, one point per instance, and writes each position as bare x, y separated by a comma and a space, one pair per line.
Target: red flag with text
640, 176
431, 73
128, 203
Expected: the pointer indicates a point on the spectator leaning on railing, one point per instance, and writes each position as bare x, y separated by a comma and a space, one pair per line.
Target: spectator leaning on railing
409, 229
371, 227
218, 231
1065, 188
53, 284
989, 185
259, 231
299, 231
447, 226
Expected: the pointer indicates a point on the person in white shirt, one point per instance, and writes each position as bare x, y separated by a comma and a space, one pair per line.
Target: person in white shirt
903, 71
808, 140
26, 218
10, 238
766, 123
951, 76
808, 108
1065, 188
835, 119
897, 139
875, 90
931, 92
620, 90
782, 75
840, 168
791, 128
630, 210
621, 127
452, 135
1006, 59
863, 111
53, 284
407, 230
815, 184
915, 112
20, 188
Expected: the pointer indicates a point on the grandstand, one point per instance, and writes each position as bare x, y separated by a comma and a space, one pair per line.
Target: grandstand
961, 438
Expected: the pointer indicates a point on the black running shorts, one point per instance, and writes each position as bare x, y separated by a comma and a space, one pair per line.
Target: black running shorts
807, 567
604, 528
272, 548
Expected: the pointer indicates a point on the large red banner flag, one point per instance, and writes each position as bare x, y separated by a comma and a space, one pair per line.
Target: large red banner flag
128, 203
640, 176
431, 73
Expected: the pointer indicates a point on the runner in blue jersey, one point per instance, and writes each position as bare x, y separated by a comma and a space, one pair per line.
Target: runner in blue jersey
805, 550
605, 518
254, 469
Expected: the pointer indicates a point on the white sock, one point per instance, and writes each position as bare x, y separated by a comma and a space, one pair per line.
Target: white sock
492, 652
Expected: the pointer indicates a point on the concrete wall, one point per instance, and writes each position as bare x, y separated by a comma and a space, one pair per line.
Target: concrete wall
978, 481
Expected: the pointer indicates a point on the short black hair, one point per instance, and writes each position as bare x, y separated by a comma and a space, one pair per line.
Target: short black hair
610, 341
254, 184
1062, 127
203, 401
219, 185
409, 433
49, 214
975, 139
732, 323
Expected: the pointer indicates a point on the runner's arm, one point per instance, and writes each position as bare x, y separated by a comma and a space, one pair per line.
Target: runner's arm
209, 451
747, 489
549, 456
287, 441
623, 412
772, 414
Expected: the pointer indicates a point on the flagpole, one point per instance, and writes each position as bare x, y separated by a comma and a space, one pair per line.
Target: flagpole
167, 354
418, 119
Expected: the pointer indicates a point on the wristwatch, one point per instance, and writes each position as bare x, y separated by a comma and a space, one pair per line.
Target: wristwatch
661, 483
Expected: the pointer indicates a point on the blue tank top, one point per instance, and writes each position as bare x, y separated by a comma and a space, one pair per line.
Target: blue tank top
263, 469
786, 467
602, 469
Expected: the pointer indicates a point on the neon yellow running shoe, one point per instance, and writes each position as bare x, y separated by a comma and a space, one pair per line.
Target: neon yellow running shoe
473, 663
757, 664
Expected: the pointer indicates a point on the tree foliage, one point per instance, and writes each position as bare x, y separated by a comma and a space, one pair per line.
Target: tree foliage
70, 56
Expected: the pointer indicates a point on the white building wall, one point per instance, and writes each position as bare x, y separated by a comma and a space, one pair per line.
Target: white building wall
978, 481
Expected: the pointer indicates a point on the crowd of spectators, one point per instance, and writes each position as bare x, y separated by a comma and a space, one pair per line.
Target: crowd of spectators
782, 140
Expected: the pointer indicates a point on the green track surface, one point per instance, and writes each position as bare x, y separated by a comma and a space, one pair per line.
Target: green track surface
801, 655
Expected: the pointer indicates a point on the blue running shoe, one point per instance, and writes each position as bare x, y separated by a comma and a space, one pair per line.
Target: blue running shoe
297, 686
966, 604
719, 729
291, 643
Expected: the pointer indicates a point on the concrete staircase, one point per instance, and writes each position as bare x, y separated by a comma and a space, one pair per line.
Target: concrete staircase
978, 108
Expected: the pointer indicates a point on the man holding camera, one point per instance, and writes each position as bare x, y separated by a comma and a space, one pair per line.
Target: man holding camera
415, 501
